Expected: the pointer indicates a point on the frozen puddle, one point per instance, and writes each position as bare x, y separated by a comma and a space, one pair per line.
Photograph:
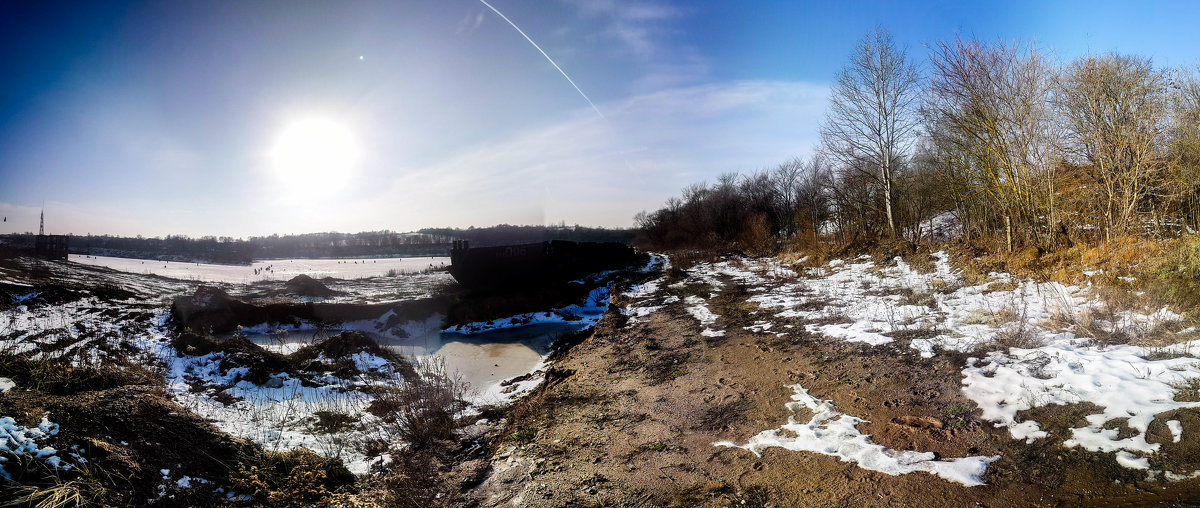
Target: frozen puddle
833, 433
482, 360
487, 359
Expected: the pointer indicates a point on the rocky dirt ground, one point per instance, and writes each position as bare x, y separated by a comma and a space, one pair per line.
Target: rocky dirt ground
632, 416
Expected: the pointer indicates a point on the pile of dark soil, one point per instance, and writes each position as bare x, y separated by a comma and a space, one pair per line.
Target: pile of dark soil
304, 285
212, 310
335, 354
239, 352
343, 345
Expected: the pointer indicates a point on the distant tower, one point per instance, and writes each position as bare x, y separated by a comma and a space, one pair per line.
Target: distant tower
50, 246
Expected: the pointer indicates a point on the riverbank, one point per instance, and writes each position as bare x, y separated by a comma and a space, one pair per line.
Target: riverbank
306, 391
860, 382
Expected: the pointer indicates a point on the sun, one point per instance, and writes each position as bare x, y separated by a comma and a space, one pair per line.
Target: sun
314, 155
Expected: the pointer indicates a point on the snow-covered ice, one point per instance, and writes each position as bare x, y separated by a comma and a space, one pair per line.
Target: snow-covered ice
586, 313
268, 269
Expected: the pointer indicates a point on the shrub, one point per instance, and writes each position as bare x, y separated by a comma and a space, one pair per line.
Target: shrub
422, 409
295, 478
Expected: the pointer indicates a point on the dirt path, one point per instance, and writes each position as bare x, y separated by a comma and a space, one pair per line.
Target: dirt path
634, 414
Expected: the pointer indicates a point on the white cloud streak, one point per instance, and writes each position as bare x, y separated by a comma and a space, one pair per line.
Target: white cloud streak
601, 173
645, 32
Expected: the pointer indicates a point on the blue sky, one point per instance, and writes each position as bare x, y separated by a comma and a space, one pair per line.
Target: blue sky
160, 118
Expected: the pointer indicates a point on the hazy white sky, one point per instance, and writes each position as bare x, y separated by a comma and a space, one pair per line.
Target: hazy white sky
165, 117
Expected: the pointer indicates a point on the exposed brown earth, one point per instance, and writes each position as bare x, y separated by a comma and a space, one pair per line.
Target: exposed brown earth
632, 418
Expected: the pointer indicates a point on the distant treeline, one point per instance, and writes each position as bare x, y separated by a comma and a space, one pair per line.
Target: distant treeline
236, 250
505, 234
427, 242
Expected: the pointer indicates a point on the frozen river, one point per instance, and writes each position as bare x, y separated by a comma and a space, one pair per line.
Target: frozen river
482, 360
267, 269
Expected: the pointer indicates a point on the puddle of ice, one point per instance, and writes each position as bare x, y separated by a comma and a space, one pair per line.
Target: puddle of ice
482, 360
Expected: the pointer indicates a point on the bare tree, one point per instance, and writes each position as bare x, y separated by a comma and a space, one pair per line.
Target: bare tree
991, 103
1114, 107
786, 179
872, 112
1183, 154
813, 196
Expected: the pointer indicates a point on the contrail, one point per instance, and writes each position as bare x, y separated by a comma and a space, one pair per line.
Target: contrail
548, 59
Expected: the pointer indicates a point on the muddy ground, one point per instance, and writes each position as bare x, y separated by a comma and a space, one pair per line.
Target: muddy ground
633, 414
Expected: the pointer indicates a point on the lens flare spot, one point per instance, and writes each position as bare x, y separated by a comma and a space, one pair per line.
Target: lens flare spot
314, 155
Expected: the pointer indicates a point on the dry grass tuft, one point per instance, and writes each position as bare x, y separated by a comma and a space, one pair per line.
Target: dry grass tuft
295, 478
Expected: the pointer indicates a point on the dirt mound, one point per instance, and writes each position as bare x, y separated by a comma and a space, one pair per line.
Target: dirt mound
210, 308
342, 345
304, 285
208, 297
334, 354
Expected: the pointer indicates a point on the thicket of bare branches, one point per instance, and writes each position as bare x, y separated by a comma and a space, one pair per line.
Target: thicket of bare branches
1010, 147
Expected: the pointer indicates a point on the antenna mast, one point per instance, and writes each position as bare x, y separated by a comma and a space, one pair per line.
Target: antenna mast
42, 222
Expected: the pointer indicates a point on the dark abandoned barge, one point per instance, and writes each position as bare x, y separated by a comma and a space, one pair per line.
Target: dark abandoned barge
535, 263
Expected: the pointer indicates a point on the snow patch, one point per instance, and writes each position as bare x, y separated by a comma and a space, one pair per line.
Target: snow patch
588, 313
836, 434
698, 308
1120, 379
19, 440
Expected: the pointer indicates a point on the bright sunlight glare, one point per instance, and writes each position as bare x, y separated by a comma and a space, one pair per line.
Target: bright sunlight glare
314, 155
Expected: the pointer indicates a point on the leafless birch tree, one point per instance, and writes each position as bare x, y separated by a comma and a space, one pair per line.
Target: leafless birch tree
872, 113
